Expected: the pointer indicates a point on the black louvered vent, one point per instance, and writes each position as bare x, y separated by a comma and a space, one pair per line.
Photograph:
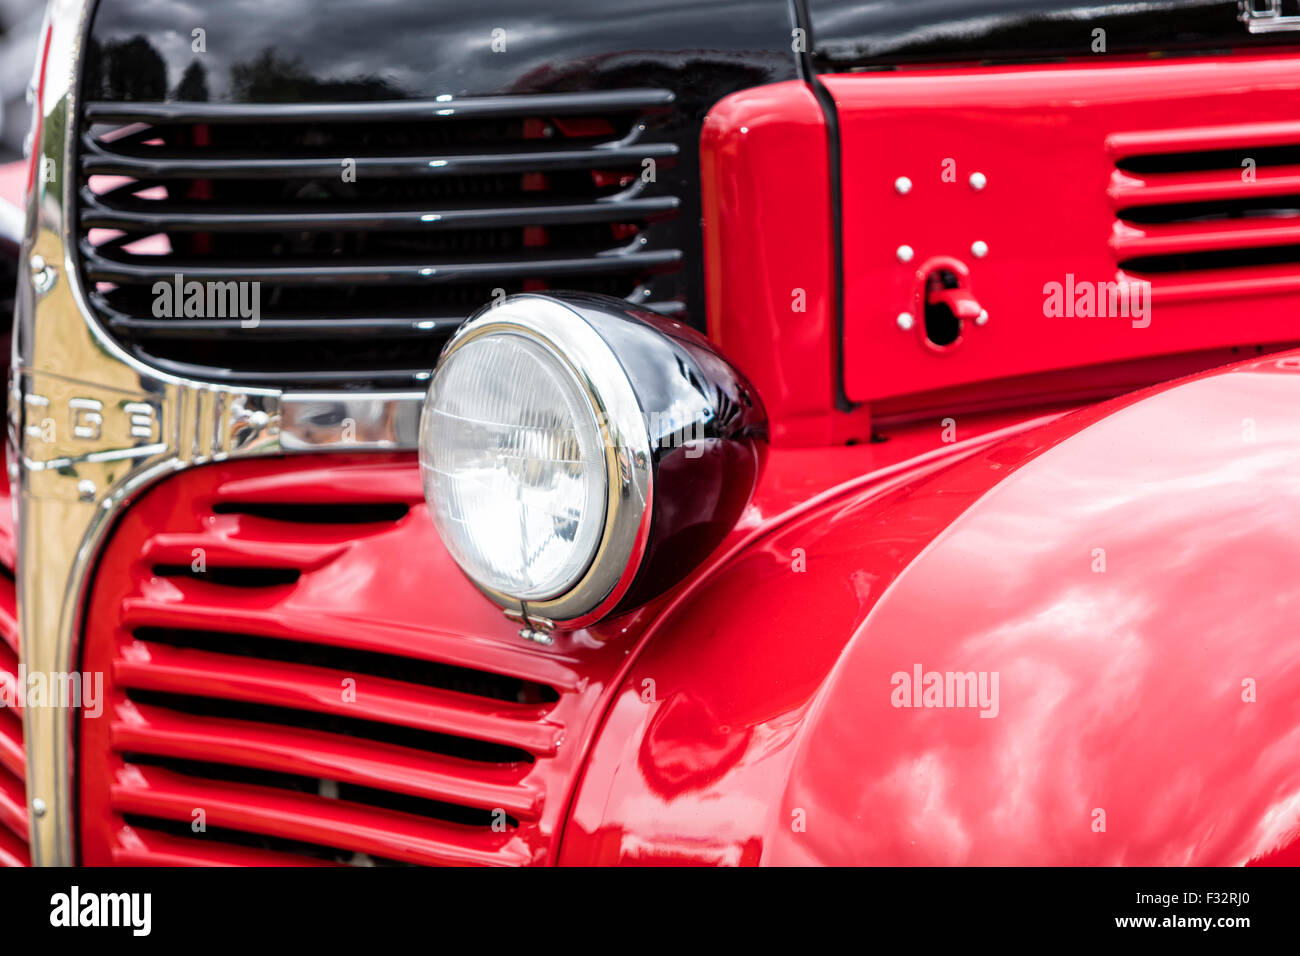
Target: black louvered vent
362, 277
1208, 209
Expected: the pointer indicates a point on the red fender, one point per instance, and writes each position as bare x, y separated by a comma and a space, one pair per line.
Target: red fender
1127, 571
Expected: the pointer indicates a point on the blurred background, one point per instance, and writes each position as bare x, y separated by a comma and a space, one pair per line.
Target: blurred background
20, 23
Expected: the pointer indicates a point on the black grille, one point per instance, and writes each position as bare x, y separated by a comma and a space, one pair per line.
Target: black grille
361, 277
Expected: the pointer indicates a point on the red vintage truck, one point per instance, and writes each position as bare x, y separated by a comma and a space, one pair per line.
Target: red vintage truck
750, 432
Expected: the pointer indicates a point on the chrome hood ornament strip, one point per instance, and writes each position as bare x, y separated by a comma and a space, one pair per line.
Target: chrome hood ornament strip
90, 426
1266, 16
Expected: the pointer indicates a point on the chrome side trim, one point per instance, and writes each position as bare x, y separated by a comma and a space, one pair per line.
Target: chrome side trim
339, 420
90, 426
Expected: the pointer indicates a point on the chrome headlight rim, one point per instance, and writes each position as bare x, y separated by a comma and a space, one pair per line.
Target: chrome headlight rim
584, 354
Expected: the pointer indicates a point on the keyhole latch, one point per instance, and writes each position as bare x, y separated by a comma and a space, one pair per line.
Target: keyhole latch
947, 304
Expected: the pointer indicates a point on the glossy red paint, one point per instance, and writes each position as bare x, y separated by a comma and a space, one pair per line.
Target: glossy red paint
1049, 141
769, 255
13, 764
13, 182
776, 739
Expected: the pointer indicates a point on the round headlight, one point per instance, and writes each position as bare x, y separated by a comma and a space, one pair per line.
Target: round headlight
515, 469
579, 455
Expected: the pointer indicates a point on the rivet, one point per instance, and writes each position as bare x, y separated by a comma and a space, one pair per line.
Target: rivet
983, 317
38, 807
978, 181
42, 274
905, 321
905, 253
536, 636
86, 489
979, 248
902, 185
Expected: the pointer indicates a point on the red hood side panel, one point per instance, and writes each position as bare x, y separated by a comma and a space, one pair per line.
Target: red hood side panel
1123, 694
1080, 185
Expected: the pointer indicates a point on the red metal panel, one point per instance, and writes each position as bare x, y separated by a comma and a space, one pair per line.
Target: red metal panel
1047, 139
769, 253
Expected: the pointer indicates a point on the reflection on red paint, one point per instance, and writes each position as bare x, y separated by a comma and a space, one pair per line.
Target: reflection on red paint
686, 748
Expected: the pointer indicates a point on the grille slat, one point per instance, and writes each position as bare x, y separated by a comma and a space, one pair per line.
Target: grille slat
145, 729
289, 327
154, 667
398, 111
142, 844
8, 606
13, 852
392, 834
13, 806
9, 687
97, 161
11, 745
1177, 238
139, 218
181, 606
248, 542
1129, 191
371, 230
103, 268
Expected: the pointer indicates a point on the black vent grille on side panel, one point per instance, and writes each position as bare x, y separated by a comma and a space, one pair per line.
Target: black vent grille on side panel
371, 229
1208, 211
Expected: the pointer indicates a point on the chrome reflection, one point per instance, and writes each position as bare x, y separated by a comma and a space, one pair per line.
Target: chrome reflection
90, 427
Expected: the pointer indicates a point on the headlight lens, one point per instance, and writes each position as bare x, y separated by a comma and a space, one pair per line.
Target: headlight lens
515, 466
